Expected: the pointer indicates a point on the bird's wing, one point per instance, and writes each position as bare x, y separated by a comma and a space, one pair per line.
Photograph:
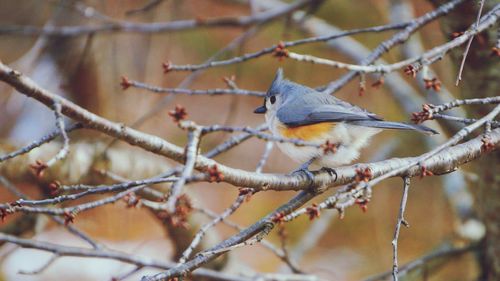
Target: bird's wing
315, 108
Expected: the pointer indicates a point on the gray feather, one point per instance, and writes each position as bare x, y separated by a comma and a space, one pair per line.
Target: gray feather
395, 125
305, 106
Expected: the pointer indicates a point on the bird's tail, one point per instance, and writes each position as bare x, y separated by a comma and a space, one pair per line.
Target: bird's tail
395, 125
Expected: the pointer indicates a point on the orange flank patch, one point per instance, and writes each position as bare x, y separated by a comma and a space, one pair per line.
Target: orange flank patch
307, 132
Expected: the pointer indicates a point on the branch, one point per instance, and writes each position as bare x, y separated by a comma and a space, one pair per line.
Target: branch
72, 229
425, 59
398, 38
126, 83
400, 11
39, 142
284, 45
462, 64
242, 21
401, 221
191, 154
244, 235
236, 42
424, 261
278, 252
110, 254
149, 6
467, 121
82, 166
227, 212
60, 125
349, 195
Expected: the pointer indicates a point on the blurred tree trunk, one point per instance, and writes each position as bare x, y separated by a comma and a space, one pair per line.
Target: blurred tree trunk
481, 78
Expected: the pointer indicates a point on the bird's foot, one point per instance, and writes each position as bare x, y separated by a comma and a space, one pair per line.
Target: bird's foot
304, 169
309, 175
331, 172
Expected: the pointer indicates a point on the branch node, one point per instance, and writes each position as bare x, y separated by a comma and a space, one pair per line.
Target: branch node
280, 51
363, 175
433, 83
54, 187
495, 52
313, 212
379, 83
167, 67
425, 172
39, 168
125, 83
363, 204
214, 174
15, 73
411, 70
178, 113
69, 217
487, 144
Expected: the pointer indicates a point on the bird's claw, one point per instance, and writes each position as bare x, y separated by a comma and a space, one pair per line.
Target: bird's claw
306, 172
331, 172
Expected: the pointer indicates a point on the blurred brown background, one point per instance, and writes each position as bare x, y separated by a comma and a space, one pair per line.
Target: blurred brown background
87, 69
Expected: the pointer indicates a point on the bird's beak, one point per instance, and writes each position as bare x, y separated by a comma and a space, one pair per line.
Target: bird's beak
260, 110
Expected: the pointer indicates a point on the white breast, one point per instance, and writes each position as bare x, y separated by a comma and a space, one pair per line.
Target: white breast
351, 137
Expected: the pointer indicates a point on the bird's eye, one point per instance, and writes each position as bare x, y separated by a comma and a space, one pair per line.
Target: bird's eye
272, 99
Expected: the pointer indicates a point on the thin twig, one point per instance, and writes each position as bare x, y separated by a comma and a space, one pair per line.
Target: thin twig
257, 133
128, 274
63, 152
265, 231
232, 142
494, 124
423, 261
455, 103
70, 212
89, 189
462, 64
42, 268
190, 92
39, 142
344, 197
148, 7
401, 221
194, 136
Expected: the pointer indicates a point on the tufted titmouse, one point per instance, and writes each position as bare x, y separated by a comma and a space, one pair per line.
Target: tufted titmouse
299, 112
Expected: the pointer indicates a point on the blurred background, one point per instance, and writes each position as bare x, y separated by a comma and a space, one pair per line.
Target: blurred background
88, 69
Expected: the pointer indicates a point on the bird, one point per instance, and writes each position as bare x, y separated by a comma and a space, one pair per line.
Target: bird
295, 111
